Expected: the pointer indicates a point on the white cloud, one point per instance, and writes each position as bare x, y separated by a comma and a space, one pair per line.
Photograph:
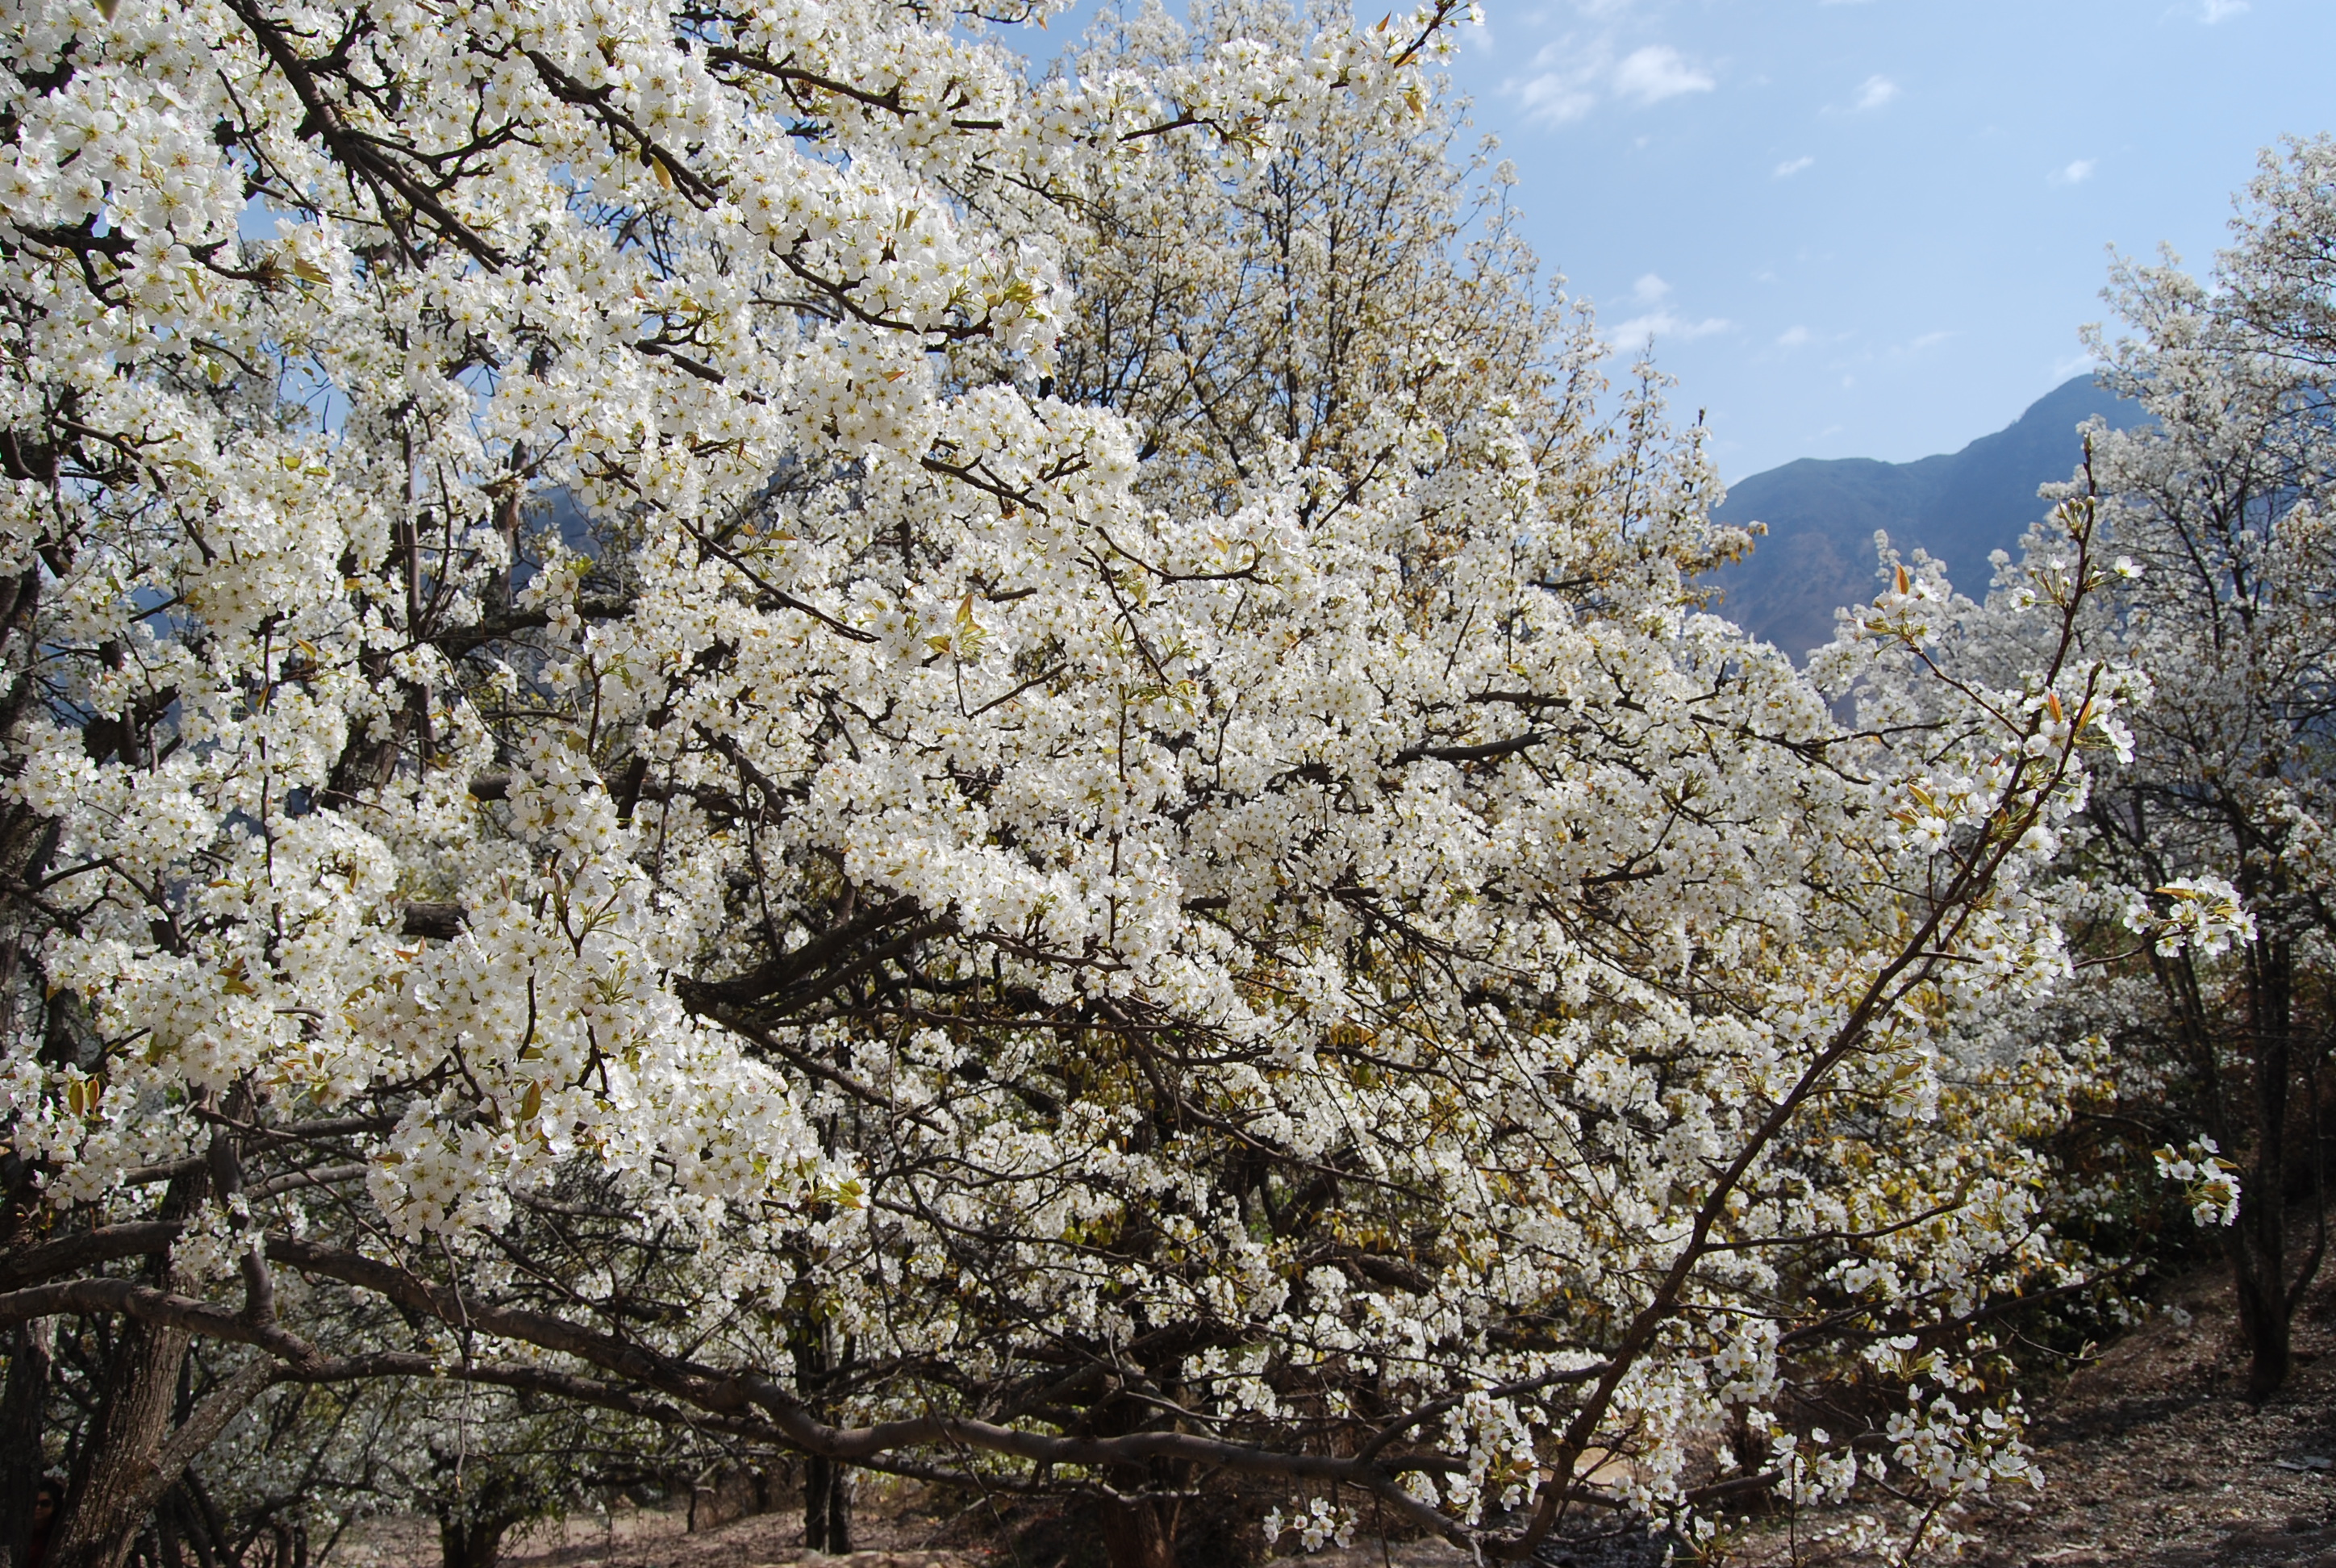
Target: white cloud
1658, 71
2213, 11
1656, 320
1793, 337
2076, 173
1642, 330
1556, 100
1792, 166
1564, 84
1929, 340
1572, 77
1875, 91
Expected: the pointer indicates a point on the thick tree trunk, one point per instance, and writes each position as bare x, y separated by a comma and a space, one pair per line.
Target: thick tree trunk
106, 1503
827, 1506
2264, 1310
114, 1481
21, 1407
26, 841
2263, 1327
472, 1543
827, 1484
1140, 1533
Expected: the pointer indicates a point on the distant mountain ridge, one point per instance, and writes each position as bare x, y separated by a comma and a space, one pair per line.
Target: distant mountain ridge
1822, 512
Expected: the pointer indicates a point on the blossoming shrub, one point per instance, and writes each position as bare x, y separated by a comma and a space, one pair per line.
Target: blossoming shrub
593, 752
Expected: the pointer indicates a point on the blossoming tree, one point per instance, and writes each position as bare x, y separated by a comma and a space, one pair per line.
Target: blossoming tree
594, 755
2201, 872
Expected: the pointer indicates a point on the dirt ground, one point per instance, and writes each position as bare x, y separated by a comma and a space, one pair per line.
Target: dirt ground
2153, 1458
629, 1537
892, 1528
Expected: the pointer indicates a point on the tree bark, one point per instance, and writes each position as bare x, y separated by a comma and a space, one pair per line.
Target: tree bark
22, 1408
2264, 1318
2263, 1327
471, 1543
1139, 1533
114, 1482
827, 1505
827, 1482
103, 1511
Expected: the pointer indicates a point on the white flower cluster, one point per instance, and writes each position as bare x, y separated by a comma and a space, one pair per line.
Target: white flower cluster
2203, 914
2210, 1181
1317, 1524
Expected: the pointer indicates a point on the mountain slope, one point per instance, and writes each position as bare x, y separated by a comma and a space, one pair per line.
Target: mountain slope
1822, 515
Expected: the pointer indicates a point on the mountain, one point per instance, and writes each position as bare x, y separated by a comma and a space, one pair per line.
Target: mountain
1822, 514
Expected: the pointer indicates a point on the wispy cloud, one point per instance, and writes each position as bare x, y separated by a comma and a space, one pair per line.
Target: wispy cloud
1928, 340
2213, 11
1658, 72
2076, 173
1656, 319
1793, 337
1792, 166
1557, 98
1641, 331
1571, 76
1874, 92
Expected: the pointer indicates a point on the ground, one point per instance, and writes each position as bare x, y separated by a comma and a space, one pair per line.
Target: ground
629, 1537
2153, 1457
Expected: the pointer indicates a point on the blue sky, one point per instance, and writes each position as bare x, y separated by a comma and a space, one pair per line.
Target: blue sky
1873, 228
